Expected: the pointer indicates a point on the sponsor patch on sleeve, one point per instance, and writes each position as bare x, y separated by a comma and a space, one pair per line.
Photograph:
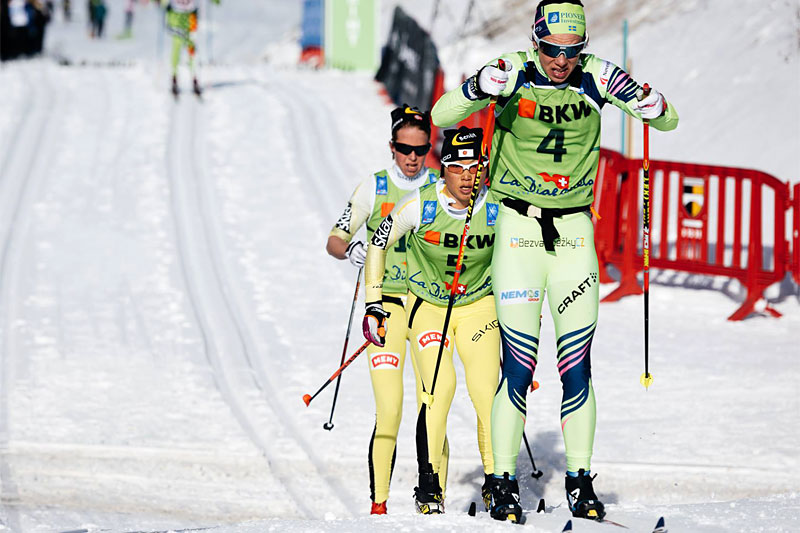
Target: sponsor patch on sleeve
381, 235
344, 221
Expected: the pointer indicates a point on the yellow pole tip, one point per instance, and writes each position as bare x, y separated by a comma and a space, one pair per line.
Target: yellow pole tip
646, 379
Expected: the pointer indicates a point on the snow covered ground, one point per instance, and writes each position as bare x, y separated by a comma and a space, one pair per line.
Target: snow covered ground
166, 302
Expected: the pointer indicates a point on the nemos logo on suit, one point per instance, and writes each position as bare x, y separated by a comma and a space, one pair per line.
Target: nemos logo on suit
520, 296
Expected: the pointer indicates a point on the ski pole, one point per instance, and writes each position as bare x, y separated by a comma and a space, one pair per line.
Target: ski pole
329, 424
536, 474
423, 460
307, 397
647, 378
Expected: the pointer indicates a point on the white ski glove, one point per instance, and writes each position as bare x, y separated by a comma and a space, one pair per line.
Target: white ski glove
357, 253
491, 80
651, 106
374, 324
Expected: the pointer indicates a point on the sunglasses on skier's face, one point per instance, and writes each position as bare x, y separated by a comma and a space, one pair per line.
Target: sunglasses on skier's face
555, 50
459, 168
406, 149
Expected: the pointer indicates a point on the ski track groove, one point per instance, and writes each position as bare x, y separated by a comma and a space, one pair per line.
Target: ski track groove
16, 191
309, 147
202, 247
244, 325
177, 151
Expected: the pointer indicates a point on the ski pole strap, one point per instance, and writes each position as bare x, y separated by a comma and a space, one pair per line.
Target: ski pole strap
544, 216
392, 300
413, 312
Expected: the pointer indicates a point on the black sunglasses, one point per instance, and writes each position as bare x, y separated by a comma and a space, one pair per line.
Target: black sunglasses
406, 149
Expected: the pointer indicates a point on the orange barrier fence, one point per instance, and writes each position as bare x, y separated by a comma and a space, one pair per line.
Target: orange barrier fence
705, 219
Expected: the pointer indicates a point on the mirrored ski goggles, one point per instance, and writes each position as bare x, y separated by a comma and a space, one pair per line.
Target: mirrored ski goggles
459, 168
406, 149
555, 50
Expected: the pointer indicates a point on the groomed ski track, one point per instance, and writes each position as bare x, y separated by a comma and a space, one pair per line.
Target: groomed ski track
228, 334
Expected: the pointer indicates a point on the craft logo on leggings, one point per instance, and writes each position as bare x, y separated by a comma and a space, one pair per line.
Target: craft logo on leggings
385, 361
577, 292
428, 337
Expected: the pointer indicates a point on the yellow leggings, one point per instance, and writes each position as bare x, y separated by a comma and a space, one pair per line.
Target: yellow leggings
386, 372
477, 339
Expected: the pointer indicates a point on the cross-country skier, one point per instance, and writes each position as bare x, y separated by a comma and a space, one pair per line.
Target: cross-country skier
544, 160
431, 221
372, 200
182, 24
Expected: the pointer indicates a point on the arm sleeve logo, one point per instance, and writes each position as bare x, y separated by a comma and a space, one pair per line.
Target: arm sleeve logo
381, 235
344, 221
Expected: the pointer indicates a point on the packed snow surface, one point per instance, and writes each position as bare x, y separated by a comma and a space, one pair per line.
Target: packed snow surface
167, 299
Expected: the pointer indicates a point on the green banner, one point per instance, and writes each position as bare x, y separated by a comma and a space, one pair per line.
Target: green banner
351, 40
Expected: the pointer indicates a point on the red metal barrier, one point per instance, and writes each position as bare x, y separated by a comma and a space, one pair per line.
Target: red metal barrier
475, 120
609, 235
432, 161
699, 224
796, 234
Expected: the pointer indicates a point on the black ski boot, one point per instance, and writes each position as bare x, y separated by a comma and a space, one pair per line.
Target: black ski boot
486, 490
175, 90
505, 499
581, 498
428, 496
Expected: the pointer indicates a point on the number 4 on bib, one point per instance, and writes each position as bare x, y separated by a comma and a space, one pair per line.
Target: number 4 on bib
557, 151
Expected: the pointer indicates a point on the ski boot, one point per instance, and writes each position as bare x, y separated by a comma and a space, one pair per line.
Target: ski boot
175, 90
428, 496
581, 498
378, 508
486, 490
196, 88
505, 499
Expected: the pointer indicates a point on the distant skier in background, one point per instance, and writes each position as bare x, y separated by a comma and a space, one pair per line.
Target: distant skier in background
544, 159
127, 31
372, 200
97, 18
182, 23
